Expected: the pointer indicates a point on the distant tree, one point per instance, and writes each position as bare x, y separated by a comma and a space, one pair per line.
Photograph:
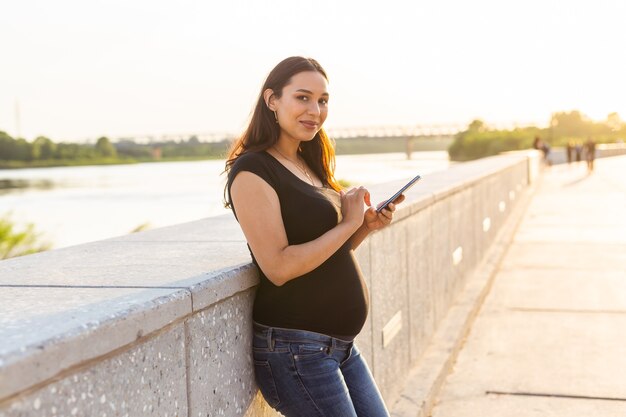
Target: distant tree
105, 148
478, 141
614, 122
6, 146
126, 142
571, 124
43, 148
22, 151
14, 149
74, 151
477, 125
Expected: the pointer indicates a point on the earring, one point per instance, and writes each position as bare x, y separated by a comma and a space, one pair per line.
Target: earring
275, 116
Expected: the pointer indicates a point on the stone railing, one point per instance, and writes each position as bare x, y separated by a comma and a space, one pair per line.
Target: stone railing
159, 322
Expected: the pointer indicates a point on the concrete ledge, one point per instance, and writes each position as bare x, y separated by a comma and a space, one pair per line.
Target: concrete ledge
439, 185
40, 341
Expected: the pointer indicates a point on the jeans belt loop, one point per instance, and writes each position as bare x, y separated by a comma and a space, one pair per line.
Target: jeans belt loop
270, 341
333, 345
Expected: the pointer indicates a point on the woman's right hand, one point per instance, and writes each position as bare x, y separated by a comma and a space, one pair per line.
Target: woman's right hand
352, 207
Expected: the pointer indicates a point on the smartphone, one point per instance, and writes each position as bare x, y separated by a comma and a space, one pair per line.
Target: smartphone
400, 191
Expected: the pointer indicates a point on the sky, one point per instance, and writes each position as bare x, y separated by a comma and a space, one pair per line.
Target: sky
76, 70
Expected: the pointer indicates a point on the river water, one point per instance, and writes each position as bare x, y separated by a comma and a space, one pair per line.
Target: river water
72, 205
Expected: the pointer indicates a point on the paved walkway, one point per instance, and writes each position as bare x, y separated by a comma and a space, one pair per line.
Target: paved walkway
550, 339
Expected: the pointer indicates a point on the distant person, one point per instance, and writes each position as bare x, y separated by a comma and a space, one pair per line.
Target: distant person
570, 151
301, 229
579, 151
543, 147
546, 153
590, 153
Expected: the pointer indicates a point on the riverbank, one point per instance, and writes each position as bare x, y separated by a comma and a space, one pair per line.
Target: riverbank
96, 162
352, 146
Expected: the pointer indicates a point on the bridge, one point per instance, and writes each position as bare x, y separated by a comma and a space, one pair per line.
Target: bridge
158, 322
400, 138
412, 137
382, 132
424, 130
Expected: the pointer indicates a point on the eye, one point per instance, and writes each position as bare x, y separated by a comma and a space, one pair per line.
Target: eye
323, 101
303, 98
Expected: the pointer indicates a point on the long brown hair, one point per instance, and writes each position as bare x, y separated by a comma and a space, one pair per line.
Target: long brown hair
263, 131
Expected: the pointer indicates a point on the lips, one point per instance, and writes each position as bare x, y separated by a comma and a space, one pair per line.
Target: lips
309, 125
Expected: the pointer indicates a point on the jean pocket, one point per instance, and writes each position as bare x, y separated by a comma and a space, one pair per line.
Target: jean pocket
308, 349
265, 382
314, 360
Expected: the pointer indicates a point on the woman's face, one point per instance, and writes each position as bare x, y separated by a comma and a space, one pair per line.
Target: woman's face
303, 106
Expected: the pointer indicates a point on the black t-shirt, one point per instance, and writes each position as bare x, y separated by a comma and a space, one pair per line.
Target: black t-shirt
332, 299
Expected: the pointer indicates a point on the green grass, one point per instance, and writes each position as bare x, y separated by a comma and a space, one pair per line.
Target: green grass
18, 243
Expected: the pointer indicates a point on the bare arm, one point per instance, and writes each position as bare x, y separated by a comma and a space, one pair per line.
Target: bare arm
258, 212
359, 236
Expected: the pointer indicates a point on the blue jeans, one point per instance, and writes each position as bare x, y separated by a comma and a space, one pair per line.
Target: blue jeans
302, 373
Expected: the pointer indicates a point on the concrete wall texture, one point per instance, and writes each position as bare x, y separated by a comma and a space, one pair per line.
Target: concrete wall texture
159, 322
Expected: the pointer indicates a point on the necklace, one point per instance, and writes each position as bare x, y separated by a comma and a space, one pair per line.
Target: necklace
299, 166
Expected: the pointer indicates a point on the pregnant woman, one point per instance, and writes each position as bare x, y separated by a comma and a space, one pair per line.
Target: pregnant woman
302, 229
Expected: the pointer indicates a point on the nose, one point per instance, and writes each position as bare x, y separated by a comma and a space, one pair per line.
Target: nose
314, 108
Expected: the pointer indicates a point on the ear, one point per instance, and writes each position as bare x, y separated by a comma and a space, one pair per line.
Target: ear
269, 98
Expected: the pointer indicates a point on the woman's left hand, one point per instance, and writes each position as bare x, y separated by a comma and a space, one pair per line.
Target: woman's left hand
374, 221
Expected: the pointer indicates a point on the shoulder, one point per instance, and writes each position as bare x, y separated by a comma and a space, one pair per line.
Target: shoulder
258, 163
249, 159
253, 156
